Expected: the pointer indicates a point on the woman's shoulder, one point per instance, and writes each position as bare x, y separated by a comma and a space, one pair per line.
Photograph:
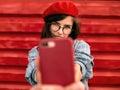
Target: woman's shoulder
80, 42
33, 53
81, 45
33, 49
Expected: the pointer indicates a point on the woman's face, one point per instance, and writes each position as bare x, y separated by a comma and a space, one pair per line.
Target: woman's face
62, 28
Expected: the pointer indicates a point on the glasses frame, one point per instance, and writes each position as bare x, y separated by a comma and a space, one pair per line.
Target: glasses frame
59, 27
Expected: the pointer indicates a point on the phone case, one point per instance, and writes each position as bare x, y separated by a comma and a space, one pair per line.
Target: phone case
56, 61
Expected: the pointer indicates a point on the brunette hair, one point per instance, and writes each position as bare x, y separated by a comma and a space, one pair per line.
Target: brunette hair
46, 33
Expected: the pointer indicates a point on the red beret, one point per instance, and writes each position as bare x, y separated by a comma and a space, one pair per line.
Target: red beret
61, 7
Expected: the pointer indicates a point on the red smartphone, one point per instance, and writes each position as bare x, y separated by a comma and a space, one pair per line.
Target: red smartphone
57, 61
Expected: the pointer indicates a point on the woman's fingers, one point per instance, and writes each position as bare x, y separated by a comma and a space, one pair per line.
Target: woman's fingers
52, 87
36, 87
75, 86
47, 87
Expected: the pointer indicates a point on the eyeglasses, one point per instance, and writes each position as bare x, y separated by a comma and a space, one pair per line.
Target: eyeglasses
66, 28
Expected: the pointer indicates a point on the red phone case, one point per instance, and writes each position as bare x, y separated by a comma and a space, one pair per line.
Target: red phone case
57, 61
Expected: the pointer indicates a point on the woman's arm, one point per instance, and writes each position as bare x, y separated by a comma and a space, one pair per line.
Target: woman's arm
78, 73
84, 58
31, 68
84, 61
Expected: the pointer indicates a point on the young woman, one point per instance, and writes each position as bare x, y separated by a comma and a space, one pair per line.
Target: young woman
61, 22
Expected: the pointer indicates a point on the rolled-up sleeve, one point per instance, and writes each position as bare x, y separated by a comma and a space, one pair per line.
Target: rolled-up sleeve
83, 58
30, 70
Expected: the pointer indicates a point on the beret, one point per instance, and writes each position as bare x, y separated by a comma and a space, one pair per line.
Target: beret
61, 7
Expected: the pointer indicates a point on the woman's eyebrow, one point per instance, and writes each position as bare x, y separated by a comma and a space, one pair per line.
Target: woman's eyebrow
64, 24
68, 25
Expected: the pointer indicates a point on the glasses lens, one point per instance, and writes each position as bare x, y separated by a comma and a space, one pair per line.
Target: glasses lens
67, 30
55, 26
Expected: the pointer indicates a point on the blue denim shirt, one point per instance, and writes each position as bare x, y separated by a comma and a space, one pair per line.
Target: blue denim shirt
82, 55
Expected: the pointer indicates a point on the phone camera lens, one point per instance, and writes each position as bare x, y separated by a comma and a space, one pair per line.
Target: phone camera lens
44, 44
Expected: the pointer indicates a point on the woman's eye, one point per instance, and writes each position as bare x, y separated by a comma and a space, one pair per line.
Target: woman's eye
68, 27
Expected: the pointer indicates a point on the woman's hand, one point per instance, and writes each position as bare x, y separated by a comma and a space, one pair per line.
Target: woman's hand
37, 73
73, 86
47, 87
78, 73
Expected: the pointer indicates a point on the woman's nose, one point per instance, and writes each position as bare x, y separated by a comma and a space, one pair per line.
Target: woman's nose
60, 31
